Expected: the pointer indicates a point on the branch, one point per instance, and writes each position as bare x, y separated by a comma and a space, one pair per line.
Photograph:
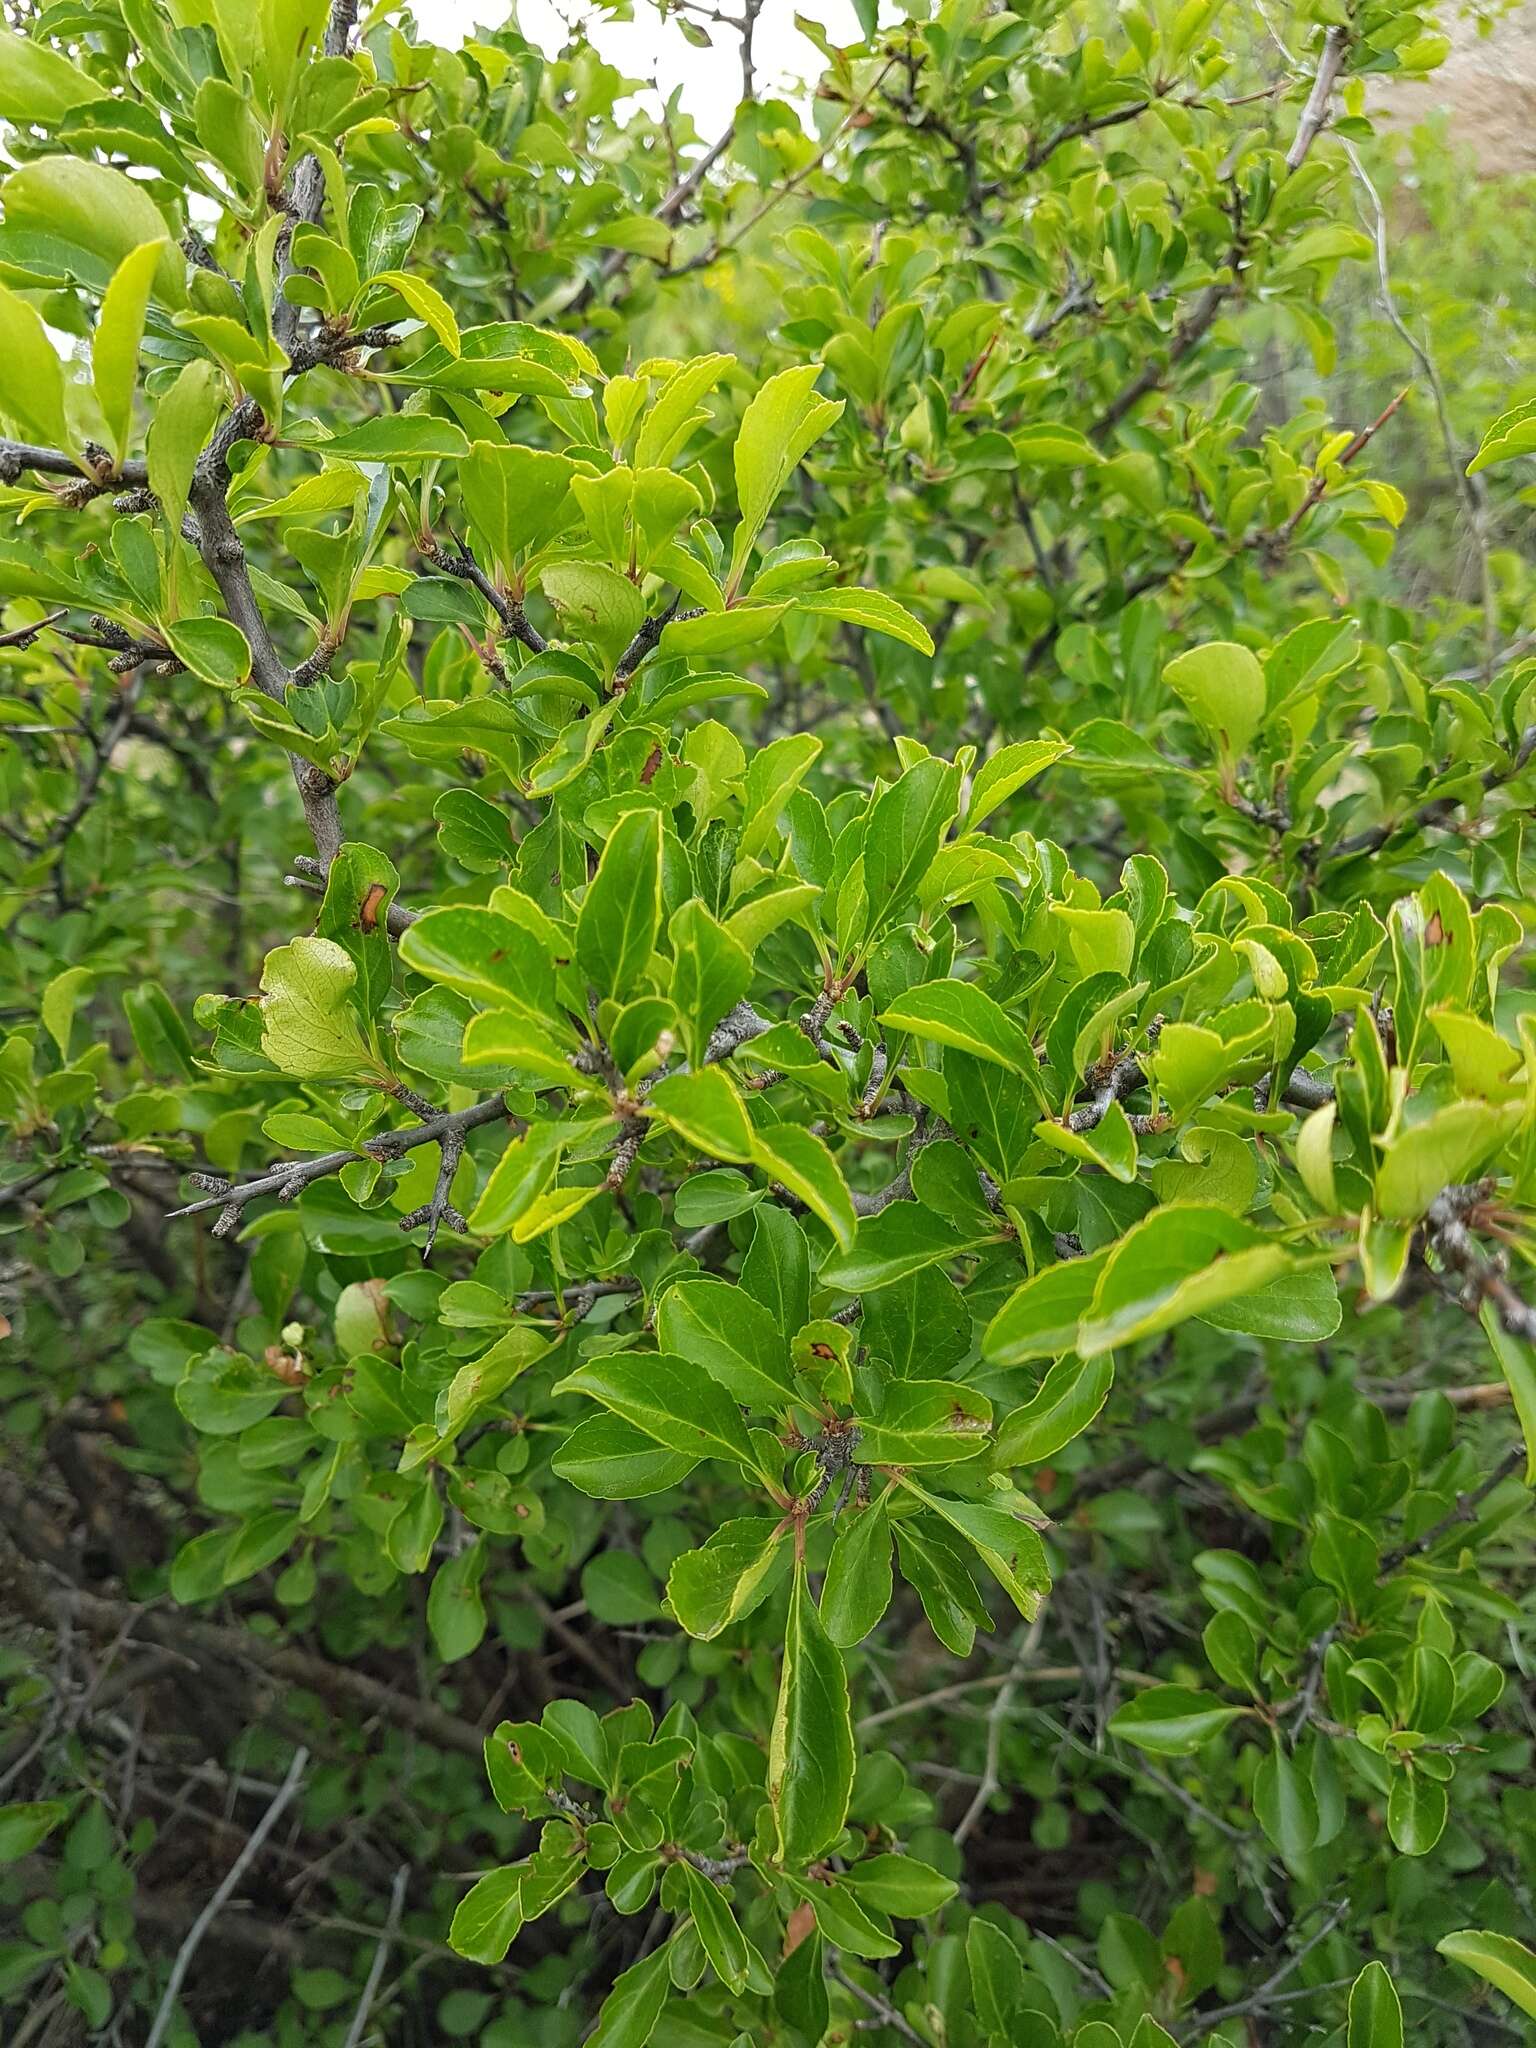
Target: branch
1258, 1999
1315, 113
311, 876
617, 260
508, 609
877, 2004
735, 1028
292, 1177
221, 1897
1190, 332
1043, 151
1436, 812
1448, 1234
1281, 537
649, 634
1472, 490
1465, 1510
16, 456
307, 199
723, 244
376, 1967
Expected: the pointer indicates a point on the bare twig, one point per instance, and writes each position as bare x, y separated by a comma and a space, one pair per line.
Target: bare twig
1260, 1998
1465, 1510
376, 1967
224, 1893
293, 1176
1315, 113
997, 1721
878, 2004
1448, 1231
1472, 490
1197, 323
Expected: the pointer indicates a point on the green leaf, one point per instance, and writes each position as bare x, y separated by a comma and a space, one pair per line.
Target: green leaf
621, 912
473, 832
424, 300
1298, 1308
717, 1325
872, 610
901, 1885
308, 1027
1181, 1261
23, 1827
212, 649
798, 1160
115, 345
519, 1177
773, 775
1512, 433
1447, 1147
857, 1588
716, 634
1110, 1144
1006, 771
1070, 1396
1417, 1808
60, 1000
1171, 1720
1008, 1547
777, 428
1375, 2013
398, 437
997, 1976
100, 213
1498, 1959
670, 1399
729, 1576
489, 1917
455, 1610
1052, 445
222, 1393
958, 1013
899, 1239
902, 836
37, 85
518, 498
632, 2008
1517, 1362
1040, 1318
707, 1113
725, 1945
1222, 687
612, 1460
1327, 243
32, 399
490, 958
1286, 1805
925, 1422
810, 1748
711, 972
179, 428
596, 604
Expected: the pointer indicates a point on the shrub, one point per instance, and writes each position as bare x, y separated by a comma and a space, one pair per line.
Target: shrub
869, 1236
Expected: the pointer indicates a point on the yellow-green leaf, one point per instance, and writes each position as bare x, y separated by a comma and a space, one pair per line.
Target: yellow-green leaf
115, 345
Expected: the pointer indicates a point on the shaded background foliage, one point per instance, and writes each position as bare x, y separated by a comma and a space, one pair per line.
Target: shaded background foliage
1076, 441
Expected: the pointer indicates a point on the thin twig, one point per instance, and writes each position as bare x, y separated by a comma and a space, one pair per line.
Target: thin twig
376, 1967
1256, 2000
210, 1912
1465, 1510
997, 1719
1472, 490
